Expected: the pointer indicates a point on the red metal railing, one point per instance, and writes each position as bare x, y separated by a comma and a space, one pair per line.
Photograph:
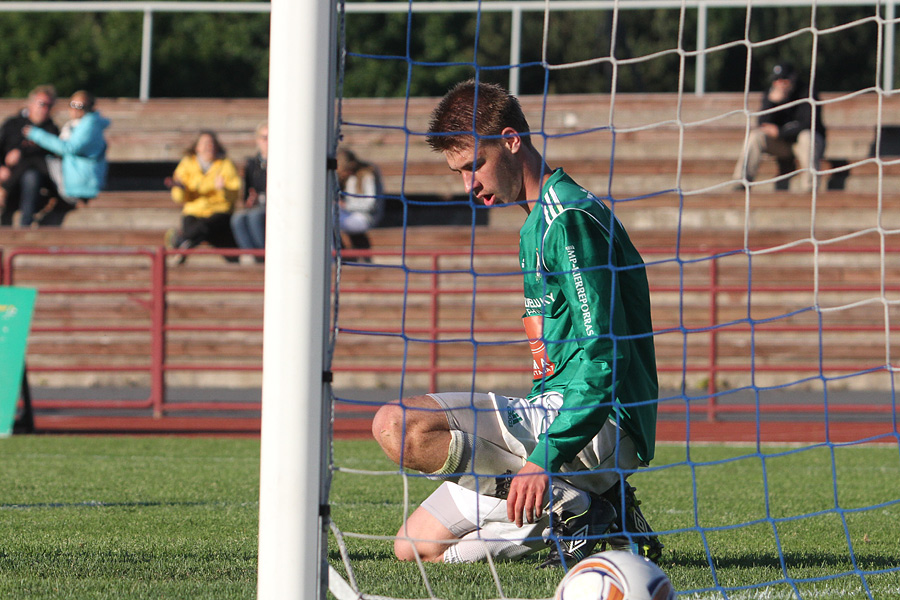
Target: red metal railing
154, 291
713, 287
152, 294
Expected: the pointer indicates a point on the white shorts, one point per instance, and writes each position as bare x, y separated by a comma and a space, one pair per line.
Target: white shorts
514, 425
463, 511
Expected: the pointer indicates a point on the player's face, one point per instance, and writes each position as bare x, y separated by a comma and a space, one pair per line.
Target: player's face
491, 172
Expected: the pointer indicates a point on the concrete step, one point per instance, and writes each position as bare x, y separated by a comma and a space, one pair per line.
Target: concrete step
141, 218
640, 176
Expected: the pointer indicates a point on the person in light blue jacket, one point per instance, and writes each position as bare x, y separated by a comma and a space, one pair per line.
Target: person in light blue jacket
80, 170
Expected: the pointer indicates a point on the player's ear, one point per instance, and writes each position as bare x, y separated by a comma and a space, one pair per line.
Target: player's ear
511, 139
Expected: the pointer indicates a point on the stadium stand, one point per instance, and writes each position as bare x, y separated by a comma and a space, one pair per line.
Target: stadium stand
147, 138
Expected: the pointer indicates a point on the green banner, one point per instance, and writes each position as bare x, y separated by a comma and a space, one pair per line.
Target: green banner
16, 308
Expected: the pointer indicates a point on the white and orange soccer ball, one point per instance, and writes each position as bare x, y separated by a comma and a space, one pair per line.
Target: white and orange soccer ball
615, 575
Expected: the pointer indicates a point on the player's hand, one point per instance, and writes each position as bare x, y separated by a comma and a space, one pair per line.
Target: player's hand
525, 501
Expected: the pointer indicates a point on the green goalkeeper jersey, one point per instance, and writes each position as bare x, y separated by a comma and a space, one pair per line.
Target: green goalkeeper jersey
587, 318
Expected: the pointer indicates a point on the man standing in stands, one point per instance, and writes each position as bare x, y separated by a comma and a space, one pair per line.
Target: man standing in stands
23, 172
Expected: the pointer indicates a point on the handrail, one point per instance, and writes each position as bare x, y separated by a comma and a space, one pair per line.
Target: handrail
515, 8
154, 295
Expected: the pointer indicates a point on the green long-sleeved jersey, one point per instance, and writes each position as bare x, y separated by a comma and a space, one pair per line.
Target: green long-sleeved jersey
587, 318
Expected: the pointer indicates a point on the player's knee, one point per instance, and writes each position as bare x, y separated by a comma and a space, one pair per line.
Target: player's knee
407, 550
406, 429
404, 549
387, 423
394, 421
392, 429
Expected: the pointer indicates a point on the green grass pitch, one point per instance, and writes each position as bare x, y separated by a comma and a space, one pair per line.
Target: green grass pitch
173, 517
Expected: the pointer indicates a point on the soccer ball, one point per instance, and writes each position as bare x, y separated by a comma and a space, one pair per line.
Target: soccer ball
615, 575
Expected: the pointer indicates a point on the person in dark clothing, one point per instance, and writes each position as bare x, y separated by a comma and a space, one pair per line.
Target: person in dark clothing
25, 184
361, 201
793, 133
249, 224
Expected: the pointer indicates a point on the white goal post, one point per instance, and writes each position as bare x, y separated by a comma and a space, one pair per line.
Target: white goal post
291, 547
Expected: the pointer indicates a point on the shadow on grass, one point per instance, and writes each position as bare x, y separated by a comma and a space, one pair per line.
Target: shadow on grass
792, 560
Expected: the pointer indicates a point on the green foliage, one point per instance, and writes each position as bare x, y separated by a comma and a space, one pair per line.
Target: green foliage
193, 54
216, 55
417, 53
590, 51
226, 55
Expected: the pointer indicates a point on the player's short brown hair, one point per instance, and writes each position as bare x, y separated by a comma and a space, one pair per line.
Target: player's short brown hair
473, 109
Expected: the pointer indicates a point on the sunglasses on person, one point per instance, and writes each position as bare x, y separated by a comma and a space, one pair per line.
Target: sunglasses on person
76, 105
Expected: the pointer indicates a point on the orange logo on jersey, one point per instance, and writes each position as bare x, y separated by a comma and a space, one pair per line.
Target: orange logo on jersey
534, 330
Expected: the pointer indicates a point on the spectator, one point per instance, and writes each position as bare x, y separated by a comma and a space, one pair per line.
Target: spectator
249, 225
206, 183
24, 181
361, 202
80, 173
794, 132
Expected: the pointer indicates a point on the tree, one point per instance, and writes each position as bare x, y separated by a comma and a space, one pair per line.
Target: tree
392, 55
226, 55
194, 54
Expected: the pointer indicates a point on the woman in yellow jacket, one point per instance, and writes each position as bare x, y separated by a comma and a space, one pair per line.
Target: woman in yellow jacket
207, 184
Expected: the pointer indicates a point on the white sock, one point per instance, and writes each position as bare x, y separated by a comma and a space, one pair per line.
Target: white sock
473, 548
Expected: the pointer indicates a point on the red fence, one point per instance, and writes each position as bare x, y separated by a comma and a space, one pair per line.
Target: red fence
843, 298
817, 300
142, 290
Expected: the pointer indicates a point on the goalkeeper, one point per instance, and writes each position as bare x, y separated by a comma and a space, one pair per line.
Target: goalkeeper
550, 468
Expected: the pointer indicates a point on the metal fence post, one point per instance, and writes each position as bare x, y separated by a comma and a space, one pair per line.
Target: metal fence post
158, 332
713, 339
888, 54
146, 50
